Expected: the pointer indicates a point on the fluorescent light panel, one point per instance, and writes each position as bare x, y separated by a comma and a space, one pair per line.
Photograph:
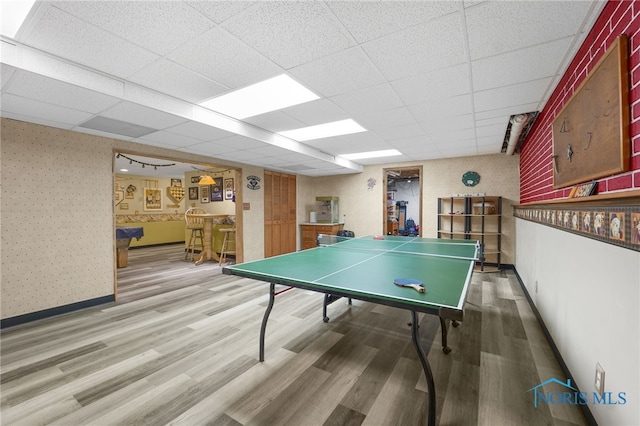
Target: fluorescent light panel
13, 15
371, 154
326, 130
269, 95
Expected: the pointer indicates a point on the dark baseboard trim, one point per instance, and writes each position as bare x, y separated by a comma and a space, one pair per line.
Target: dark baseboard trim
565, 369
58, 310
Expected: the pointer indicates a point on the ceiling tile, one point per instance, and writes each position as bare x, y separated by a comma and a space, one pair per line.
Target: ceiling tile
499, 27
39, 88
198, 131
159, 26
447, 123
6, 72
516, 94
354, 68
369, 100
420, 49
316, 112
276, 121
222, 58
173, 79
370, 20
519, 66
443, 83
219, 11
86, 44
449, 107
35, 110
168, 139
505, 113
382, 120
290, 33
400, 132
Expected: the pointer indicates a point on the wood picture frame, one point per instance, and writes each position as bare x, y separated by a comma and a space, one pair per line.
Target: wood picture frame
193, 192
591, 132
216, 192
204, 194
228, 189
152, 199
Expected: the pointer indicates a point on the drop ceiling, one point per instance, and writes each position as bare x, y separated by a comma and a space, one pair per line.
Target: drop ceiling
432, 79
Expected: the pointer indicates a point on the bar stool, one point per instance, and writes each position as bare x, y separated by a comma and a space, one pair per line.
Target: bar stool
228, 243
196, 226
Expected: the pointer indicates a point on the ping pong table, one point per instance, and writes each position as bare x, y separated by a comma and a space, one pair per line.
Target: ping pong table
365, 268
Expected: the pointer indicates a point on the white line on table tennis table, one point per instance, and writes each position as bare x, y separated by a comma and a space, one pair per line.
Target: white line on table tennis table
395, 250
382, 252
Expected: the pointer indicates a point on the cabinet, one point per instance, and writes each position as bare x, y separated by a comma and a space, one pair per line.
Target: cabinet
474, 218
279, 213
310, 231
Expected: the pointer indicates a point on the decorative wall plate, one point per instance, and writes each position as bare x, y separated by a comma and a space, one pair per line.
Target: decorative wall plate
470, 178
176, 193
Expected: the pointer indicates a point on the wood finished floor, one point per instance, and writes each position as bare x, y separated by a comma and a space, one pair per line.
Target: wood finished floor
181, 347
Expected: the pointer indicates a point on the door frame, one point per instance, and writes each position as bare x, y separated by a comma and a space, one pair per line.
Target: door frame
401, 170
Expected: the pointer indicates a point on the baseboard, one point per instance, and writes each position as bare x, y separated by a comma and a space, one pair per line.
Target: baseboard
565, 369
58, 310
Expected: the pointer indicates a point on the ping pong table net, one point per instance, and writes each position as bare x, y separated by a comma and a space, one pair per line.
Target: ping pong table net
327, 240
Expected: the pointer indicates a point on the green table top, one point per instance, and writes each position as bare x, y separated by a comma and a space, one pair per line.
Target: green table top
365, 268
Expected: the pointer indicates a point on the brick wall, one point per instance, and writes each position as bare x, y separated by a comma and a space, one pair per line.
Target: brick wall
536, 172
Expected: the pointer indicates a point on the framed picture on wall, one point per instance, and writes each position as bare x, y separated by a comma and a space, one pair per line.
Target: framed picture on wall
193, 193
204, 194
228, 189
152, 199
195, 179
216, 192
176, 182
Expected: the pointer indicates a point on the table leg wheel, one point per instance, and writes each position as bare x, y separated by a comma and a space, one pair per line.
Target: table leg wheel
446, 350
455, 323
325, 319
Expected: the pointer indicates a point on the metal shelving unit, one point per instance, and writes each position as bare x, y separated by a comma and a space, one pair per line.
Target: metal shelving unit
474, 218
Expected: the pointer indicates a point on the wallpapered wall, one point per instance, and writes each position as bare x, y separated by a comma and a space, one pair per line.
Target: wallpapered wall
129, 195
536, 167
363, 209
58, 217
57, 224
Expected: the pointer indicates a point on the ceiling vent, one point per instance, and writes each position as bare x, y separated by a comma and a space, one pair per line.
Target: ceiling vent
517, 131
117, 127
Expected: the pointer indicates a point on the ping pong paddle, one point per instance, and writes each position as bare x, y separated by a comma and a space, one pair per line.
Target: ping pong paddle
410, 282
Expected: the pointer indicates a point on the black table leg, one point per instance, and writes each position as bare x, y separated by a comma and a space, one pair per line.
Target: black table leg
431, 387
263, 328
444, 329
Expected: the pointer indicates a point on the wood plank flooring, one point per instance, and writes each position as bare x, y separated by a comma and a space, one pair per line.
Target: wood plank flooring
180, 347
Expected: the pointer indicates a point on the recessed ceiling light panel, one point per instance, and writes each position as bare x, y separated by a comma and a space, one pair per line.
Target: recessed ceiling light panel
13, 15
326, 130
269, 95
372, 154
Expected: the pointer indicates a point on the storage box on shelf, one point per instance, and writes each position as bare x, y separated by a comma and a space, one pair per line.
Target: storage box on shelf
474, 218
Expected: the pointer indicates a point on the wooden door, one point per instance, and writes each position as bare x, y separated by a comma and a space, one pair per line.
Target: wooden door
279, 213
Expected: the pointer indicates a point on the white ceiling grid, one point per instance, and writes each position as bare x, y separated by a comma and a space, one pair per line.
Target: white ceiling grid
432, 79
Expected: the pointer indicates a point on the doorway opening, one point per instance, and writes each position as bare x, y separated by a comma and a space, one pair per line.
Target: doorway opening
403, 201
154, 195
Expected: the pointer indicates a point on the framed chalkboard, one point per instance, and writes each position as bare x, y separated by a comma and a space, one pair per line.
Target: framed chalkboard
591, 132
